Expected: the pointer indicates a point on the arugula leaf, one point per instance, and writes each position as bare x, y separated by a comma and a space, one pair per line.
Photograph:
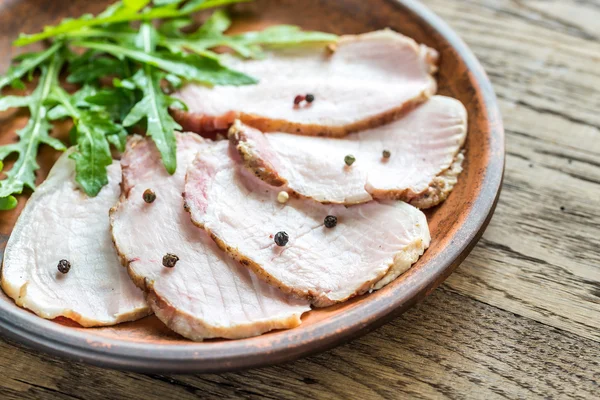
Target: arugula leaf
154, 108
125, 11
108, 34
174, 81
209, 35
93, 150
28, 63
135, 5
154, 105
77, 98
146, 38
216, 24
173, 27
9, 202
248, 45
192, 67
165, 2
284, 35
193, 6
7, 102
106, 110
117, 101
36, 132
93, 66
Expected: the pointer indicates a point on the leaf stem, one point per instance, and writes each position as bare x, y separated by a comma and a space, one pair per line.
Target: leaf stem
29, 64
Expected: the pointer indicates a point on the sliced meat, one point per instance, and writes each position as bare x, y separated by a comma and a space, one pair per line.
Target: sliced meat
441, 186
206, 294
422, 167
58, 223
367, 81
324, 265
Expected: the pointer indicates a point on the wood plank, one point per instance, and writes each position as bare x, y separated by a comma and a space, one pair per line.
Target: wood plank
539, 256
448, 347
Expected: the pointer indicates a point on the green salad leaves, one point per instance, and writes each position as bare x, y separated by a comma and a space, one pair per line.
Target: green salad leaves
35, 133
122, 12
124, 62
154, 104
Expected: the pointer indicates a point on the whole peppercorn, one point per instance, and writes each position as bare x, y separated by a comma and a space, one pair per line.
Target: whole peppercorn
281, 238
298, 99
149, 196
310, 98
349, 159
64, 266
386, 154
330, 221
169, 260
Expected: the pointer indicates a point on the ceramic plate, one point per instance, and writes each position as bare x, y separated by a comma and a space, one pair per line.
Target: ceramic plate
455, 226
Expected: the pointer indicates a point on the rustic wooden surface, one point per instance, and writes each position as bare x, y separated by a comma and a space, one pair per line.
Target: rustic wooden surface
521, 317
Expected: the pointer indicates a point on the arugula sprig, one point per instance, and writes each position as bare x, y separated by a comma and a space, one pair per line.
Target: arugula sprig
208, 36
28, 63
125, 11
92, 128
7, 203
92, 66
154, 104
35, 133
187, 66
141, 62
249, 45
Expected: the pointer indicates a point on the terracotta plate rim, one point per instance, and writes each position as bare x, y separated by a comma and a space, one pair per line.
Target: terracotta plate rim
289, 345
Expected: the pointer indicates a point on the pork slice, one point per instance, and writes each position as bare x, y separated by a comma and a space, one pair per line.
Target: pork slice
324, 265
206, 294
422, 169
58, 223
367, 81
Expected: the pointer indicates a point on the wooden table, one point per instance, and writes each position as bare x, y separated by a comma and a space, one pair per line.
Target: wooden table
521, 317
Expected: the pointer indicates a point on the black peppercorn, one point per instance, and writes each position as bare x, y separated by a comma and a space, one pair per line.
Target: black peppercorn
169, 260
149, 196
64, 266
281, 238
386, 154
310, 98
330, 221
349, 159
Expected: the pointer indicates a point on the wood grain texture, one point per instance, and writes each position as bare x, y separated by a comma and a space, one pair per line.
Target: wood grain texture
520, 318
448, 347
539, 257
